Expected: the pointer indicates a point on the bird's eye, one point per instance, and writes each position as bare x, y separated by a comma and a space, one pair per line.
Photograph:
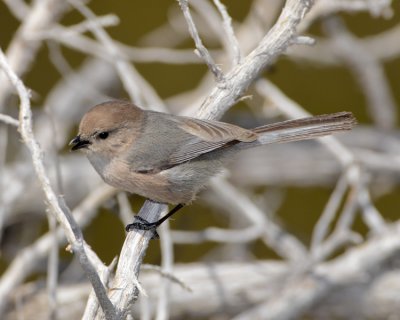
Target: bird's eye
103, 135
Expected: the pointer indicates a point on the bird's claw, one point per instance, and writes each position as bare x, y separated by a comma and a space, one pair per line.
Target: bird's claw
143, 224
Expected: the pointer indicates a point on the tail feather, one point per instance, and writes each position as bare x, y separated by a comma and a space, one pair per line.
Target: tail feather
305, 128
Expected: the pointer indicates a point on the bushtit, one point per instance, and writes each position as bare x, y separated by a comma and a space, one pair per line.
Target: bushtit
168, 158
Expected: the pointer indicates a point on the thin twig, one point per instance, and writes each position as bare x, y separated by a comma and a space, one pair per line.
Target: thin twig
218, 235
135, 85
92, 305
4, 208
227, 23
9, 120
18, 8
321, 228
52, 269
167, 262
125, 210
326, 8
274, 236
367, 71
342, 233
201, 50
371, 216
21, 51
163, 273
27, 260
59, 209
86, 45
107, 20
123, 68
274, 43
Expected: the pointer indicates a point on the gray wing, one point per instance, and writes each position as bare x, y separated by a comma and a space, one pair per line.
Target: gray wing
206, 136
172, 140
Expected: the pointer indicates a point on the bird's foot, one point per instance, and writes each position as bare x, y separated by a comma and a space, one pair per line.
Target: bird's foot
143, 224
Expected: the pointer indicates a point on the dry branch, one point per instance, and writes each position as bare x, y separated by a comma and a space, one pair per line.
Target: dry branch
365, 165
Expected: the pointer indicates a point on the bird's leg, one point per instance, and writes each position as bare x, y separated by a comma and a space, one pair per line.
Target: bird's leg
142, 224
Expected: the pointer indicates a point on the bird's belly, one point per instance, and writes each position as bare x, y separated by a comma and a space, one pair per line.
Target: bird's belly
154, 186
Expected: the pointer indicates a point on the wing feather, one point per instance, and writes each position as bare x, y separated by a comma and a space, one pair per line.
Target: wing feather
216, 131
206, 136
180, 139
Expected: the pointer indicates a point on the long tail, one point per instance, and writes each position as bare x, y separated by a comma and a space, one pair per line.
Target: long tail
305, 128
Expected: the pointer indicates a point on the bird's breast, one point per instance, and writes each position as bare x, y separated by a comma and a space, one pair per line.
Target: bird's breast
100, 163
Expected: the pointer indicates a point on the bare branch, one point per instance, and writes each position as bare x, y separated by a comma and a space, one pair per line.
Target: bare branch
272, 45
167, 262
124, 69
21, 51
201, 50
232, 40
170, 276
9, 120
125, 286
273, 235
327, 216
346, 273
18, 8
368, 73
57, 206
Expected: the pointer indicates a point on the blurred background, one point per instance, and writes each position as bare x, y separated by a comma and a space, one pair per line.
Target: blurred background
354, 66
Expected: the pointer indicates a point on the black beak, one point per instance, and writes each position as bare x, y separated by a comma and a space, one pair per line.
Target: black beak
77, 143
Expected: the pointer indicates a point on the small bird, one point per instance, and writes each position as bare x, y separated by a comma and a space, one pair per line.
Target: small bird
168, 158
